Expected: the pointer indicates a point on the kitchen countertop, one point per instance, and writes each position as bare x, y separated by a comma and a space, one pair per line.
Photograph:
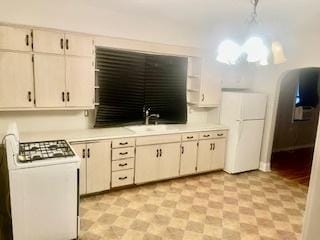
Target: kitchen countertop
109, 133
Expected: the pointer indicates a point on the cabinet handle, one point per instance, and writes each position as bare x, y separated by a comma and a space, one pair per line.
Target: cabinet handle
206, 135
202, 98
67, 44
123, 143
157, 152
160, 152
29, 96
27, 39
122, 178
83, 153
88, 154
122, 164
182, 149
220, 134
190, 137
210, 146
63, 97
123, 153
213, 146
61, 43
68, 96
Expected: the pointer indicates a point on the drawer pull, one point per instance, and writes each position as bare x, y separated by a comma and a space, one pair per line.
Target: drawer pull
123, 143
122, 164
206, 135
123, 178
220, 134
123, 153
61, 43
190, 137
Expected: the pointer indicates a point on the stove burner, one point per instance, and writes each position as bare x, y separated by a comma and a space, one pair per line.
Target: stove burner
35, 151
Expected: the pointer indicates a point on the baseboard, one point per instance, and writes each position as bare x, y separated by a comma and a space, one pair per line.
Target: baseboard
265, 167
293, 148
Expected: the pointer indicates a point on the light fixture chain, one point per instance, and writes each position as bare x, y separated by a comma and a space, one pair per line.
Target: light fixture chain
254, 14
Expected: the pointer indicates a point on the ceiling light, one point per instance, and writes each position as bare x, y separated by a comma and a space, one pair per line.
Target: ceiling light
255, 49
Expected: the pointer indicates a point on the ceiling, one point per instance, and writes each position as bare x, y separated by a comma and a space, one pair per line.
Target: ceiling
208, 13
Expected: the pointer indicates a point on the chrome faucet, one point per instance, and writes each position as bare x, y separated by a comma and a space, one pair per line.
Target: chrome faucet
148, 116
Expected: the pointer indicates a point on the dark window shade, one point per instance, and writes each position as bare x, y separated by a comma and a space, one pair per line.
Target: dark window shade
129, 81
308, 88
165, 87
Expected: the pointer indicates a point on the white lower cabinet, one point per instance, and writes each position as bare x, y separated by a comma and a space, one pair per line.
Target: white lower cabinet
188, 162
157, 162
95, 168
211, 154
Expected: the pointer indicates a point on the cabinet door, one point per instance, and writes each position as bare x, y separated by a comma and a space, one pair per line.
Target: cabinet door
79, 82
204, 155
147, 163
98, 166
48, 42
210, 94
12, 38
49, 80
169, 163
218, 157
188, 162
78, 45
16, 80
80, 150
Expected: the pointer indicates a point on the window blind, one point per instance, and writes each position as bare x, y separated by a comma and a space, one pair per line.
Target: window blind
129, 81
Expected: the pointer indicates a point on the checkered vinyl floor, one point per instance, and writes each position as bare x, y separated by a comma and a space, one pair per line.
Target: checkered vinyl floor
252, 205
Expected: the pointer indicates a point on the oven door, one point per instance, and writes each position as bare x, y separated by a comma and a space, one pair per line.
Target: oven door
44, 202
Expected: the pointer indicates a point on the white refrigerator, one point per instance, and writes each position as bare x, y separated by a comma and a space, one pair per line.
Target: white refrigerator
244, 114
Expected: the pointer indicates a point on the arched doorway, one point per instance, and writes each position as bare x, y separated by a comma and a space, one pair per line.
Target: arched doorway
296, 124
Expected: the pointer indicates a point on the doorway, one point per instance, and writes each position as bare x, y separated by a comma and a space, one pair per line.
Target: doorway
296, 125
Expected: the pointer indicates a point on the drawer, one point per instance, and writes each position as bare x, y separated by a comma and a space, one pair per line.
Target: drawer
220, 134
190, 137
213, 134
123, 142
123, 164
122, 178
206, 135
121, 153
158, 139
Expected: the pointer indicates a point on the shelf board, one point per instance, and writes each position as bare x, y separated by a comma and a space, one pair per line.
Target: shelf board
193, 76
193, 90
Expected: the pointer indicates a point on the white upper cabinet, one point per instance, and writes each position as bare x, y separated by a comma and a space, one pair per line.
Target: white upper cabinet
49, 73
17, 39
78, 45
16, 80
210, 92
48, 42
204, 83
79, 82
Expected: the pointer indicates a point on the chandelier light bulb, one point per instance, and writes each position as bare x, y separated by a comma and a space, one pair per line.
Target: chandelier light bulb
228, 52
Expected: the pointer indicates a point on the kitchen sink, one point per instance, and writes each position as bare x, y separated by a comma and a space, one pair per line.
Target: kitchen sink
151, 128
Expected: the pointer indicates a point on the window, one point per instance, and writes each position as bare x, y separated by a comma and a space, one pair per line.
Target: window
298, 99
131, 81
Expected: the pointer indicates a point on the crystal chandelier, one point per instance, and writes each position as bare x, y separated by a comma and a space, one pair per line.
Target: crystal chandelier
254, 50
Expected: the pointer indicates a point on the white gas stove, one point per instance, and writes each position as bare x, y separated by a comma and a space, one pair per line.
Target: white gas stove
44, 188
